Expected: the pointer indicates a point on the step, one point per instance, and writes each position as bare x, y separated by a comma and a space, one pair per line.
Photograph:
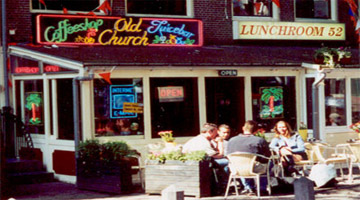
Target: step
30, 177
18, 166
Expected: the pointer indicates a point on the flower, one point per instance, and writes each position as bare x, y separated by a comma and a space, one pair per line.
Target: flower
260, 133
355, 127
166, 136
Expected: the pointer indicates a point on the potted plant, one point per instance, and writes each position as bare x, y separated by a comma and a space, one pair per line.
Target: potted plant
189, 172
332, 57
104, 167
303, 131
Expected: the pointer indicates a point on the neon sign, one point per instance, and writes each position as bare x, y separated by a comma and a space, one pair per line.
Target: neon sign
171, 94
26, 70
119, 96
34, 107
271, 102
117, 31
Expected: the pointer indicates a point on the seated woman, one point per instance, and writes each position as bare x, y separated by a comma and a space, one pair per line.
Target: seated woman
289, 145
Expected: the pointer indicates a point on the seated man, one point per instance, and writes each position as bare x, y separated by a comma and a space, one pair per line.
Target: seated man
203, 142
247, 142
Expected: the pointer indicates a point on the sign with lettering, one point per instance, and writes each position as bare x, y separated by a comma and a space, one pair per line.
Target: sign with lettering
171, 94
132, 108
227, 72
117, 31
289, 31
120, 94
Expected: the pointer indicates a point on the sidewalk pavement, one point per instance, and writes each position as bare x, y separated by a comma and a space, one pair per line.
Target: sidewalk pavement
60, 190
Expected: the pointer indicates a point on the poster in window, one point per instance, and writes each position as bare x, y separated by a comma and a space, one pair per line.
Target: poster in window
271, 102
34, 108
120, 94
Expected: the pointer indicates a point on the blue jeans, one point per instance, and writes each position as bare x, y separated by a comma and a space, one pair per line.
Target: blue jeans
249, 183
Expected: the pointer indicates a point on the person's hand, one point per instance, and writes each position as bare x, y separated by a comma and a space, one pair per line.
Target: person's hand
218, 139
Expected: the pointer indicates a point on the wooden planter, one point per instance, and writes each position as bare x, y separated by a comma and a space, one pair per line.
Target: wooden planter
112, 177
192, 177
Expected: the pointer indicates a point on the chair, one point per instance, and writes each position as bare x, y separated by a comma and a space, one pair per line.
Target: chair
304, 164
241, 165
352, 151
324, 153
138, 168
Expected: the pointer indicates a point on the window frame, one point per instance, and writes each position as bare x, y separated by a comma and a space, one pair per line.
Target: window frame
97, 12
275, 15
333, 13
189, 12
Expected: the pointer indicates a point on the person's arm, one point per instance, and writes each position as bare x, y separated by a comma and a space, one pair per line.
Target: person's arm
300, 145
274, 144
220, 145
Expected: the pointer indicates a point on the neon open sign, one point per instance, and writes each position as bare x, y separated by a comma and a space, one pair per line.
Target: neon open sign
117, 31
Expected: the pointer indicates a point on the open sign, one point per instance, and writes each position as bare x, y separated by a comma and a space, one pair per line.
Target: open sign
171, 94
227, 72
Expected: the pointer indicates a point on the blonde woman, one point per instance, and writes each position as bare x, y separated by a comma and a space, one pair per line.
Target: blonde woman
289, 145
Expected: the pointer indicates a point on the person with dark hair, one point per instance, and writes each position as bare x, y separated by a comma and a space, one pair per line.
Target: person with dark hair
289, 145
248, 142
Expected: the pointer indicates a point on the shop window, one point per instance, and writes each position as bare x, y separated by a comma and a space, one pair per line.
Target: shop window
225, 102
70, 5
355, 100
33, 106
65, 109
273, 99
174, 106
118, 107
254, 8
314, 9
335, 107
158, 7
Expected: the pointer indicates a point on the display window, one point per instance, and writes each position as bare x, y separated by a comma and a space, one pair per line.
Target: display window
315, 9
273, 100
335, 104
118, 107
30, 105
155, 7
355, 100
256, 8
174, 106
69, 5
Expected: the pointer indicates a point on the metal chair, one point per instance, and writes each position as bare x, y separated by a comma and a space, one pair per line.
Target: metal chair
242, 165
324, 153
352, 151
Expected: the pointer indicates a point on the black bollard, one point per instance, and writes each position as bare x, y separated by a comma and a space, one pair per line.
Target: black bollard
304, 189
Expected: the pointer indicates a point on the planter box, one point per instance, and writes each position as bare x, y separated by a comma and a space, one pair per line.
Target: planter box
112, 177
193, 177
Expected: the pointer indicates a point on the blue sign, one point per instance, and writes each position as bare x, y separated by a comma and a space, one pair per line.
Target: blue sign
118, 95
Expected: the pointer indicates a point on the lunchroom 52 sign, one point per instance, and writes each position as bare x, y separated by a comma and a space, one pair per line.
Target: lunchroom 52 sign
288, 31
117, 31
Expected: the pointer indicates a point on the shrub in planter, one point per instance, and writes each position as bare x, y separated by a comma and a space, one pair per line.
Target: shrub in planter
104, 167
189, 172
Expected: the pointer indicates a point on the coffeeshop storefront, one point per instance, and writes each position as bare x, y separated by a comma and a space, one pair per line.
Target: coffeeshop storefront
132, 93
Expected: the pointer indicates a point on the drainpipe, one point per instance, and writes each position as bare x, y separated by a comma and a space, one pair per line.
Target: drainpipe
4, 51
75, 84
315, 104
